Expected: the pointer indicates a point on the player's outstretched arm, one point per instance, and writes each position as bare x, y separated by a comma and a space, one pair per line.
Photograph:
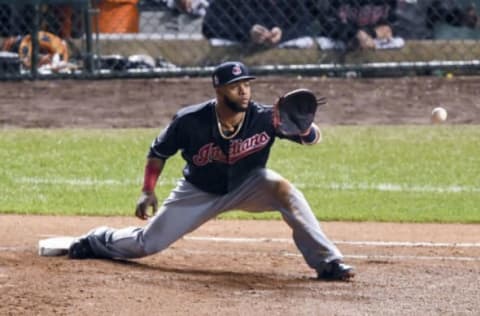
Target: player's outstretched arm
153, 169
312, 136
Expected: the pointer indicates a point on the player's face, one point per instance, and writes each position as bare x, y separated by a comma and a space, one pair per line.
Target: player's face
237, 95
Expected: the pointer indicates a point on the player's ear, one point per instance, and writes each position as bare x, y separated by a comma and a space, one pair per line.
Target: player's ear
220, 91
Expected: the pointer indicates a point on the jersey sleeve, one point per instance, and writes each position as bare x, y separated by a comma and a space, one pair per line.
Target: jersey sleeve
168, 142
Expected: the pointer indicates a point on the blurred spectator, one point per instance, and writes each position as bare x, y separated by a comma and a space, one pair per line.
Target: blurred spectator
416, 19
172, 16
192, 7
117, 16
358, 22
265, 22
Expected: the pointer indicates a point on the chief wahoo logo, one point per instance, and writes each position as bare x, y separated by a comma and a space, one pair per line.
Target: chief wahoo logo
236, 70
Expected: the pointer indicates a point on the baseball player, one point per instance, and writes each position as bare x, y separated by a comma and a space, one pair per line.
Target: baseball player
225, 143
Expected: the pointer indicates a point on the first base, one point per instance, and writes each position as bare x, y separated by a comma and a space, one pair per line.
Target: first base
57, 246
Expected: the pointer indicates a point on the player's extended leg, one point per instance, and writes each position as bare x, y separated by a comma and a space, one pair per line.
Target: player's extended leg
184, 210
267, 190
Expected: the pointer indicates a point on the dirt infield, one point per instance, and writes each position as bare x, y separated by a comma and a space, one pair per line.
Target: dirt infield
263, 275
251, 268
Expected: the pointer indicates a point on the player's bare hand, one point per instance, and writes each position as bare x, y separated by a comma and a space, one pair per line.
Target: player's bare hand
259, 34
145, 201
365, 41
275, 36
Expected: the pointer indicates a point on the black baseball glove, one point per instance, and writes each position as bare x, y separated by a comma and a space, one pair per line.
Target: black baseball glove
294, 112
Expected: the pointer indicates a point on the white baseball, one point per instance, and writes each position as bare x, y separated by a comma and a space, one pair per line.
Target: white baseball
439, 115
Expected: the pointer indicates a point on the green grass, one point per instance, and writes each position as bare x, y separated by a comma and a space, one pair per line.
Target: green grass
381, 173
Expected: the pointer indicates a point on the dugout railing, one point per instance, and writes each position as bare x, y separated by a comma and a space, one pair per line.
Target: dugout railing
44, 39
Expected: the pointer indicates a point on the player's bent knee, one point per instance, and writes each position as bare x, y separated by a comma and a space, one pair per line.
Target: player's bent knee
278, 186
282, 189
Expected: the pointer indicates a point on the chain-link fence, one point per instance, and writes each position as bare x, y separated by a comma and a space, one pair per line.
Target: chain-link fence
103, 38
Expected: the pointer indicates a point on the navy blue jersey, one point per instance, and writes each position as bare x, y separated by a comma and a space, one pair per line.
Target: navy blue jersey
215, 164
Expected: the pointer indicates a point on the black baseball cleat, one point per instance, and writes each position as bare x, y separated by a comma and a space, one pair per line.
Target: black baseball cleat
336, 271
81, 249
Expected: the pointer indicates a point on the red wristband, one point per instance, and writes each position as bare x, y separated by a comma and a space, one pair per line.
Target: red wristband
152, 171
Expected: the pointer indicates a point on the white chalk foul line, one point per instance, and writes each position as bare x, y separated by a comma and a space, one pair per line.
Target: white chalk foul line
384, 187
353, 257
87, 182
76, 182
390, 187
339, 242
13, 249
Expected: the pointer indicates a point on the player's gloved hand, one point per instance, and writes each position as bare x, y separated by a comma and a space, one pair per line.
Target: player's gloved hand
294, 112
146, 200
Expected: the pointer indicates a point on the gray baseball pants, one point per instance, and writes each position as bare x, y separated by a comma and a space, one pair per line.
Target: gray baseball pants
187, 208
